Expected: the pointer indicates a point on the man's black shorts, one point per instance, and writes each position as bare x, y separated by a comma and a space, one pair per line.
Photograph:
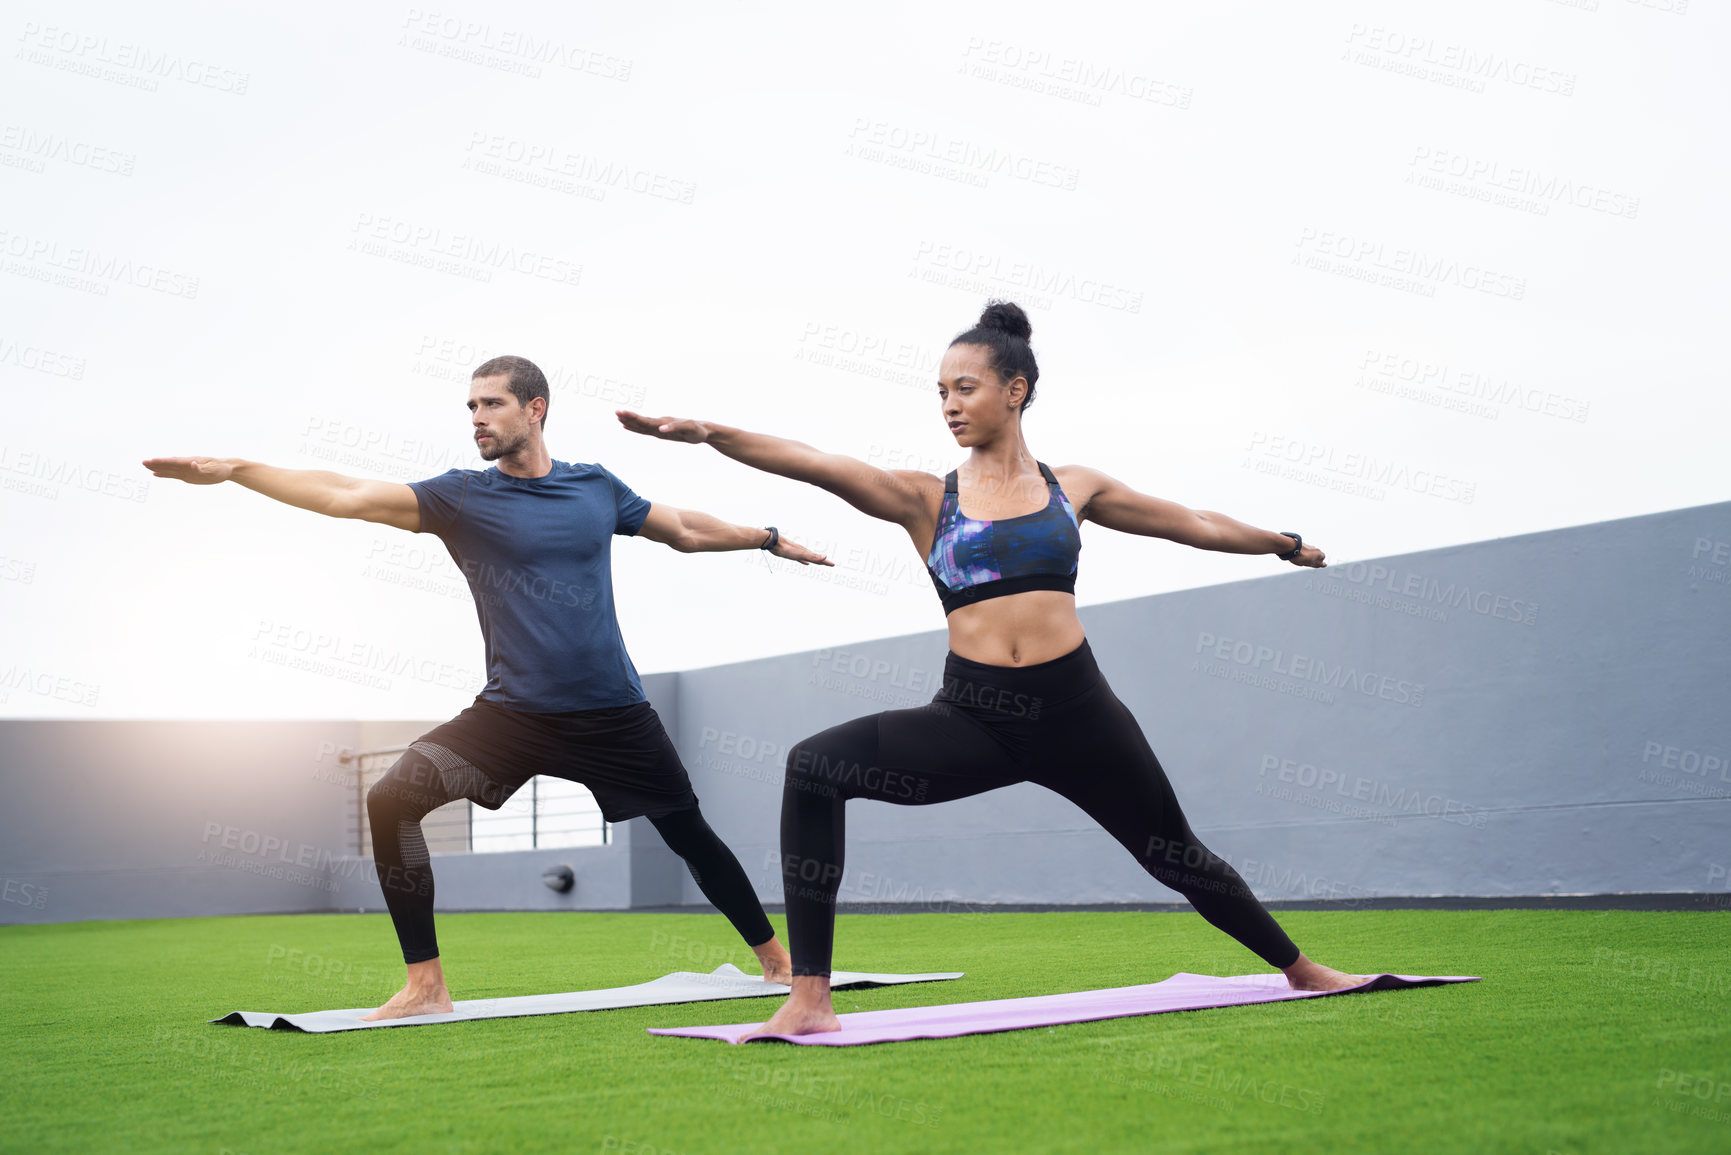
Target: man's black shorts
621, 753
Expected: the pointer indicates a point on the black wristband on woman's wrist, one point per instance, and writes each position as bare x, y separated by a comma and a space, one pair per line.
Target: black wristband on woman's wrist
1297, 544
773, 540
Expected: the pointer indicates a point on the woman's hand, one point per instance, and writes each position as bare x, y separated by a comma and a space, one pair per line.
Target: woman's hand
666, 428
1310, 557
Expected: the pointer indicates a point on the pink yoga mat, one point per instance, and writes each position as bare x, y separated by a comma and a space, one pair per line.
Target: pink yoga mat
1181, 992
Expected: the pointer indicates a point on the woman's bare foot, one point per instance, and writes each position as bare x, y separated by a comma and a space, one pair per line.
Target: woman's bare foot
773, 958
807, 1011
1305, 975
423, 994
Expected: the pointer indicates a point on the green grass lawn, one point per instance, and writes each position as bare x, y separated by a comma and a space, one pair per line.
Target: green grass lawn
1592, 1032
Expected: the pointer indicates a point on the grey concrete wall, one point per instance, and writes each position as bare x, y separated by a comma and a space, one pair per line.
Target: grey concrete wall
1544, 714
116, 819
155, 819
508, 880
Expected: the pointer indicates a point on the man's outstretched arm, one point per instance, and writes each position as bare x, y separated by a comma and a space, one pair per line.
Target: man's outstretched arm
689, 531
318, 490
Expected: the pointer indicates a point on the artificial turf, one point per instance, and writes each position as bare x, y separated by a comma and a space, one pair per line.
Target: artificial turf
1592, 1032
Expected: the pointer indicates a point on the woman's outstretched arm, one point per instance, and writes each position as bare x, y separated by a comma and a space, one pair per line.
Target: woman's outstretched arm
898, 495
1111, 503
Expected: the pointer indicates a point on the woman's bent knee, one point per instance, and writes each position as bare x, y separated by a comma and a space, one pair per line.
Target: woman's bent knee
836, 761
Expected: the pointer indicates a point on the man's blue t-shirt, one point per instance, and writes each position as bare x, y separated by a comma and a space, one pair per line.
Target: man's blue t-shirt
538, 556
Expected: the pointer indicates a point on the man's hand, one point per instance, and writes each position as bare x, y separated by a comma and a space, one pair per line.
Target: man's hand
1310, 557
793, 551
192, 470
666, 428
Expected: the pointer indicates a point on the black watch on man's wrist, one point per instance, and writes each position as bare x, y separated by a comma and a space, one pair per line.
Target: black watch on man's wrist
1297, 544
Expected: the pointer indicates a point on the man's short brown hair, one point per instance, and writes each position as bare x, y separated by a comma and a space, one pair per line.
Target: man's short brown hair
522, 377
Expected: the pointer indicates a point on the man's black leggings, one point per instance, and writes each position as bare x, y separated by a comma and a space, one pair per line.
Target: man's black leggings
429, 776
1057, 724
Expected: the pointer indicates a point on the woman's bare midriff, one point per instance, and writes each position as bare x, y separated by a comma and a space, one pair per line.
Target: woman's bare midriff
1017, 630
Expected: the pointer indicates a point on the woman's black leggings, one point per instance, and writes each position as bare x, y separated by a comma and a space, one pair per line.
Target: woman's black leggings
1057, 724
429, 776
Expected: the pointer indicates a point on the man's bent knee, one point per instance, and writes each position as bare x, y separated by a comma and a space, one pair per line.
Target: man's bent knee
411, 784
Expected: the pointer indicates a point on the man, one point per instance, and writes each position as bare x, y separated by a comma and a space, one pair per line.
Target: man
532, 537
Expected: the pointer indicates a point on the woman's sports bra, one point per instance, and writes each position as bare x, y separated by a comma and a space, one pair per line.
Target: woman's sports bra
975, 560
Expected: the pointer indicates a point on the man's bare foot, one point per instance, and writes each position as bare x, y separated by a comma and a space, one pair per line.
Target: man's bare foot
423, 994
1305, 975
807, 1011
775, 961
409, 1002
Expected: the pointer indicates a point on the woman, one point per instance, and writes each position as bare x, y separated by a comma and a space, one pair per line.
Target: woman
1022, 699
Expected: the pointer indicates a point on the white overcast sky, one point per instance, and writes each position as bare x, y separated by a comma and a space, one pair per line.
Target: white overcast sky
1394, 275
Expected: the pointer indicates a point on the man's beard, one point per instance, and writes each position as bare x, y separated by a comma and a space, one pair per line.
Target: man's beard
496, 448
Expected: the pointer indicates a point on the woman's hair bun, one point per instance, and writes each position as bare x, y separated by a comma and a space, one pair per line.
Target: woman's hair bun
1006, 317
1003, 331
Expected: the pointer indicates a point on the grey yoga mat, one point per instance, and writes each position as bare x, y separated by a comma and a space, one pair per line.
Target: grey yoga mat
725, 982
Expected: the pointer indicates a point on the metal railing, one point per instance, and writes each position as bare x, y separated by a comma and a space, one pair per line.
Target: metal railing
544, 813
